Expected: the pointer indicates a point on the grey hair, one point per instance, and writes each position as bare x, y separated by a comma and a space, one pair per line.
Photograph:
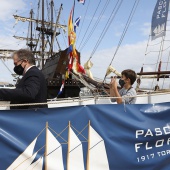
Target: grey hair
25, 54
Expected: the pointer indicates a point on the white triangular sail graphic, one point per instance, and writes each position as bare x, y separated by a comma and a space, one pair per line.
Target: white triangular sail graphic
26, 163
75, 153
23, 157
38, 165
54, 159
97, 152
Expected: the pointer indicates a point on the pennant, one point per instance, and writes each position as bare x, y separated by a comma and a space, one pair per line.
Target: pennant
72, 37
70, 23
80, 69
81, 1
76, 23
67, 75
71, 40
61, 89
70, 65
70, 49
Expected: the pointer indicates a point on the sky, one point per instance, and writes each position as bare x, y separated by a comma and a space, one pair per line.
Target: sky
129, 55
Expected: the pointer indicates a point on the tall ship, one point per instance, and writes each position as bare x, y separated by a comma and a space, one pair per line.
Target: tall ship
42, 39
62, 67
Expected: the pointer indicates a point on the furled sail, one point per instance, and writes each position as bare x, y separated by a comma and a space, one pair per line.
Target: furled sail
23, 157
87, 66
159, 19
54, 159
97, 147
111, 69
75, 153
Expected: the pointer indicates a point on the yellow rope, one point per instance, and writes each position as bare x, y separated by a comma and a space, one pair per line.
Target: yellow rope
72, 100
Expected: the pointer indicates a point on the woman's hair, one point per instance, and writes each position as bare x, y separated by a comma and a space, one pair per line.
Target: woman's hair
130, 74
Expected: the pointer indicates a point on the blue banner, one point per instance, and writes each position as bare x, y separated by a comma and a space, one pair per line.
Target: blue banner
100, 137
159, 19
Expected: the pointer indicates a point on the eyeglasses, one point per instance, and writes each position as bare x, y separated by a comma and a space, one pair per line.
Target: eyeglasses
18, 61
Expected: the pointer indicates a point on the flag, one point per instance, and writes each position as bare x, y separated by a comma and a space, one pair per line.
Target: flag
159, 19
70, 24
80, 69
76, 23
67, 75
70, 65
71, 40
61, 89
70, 49
81, 1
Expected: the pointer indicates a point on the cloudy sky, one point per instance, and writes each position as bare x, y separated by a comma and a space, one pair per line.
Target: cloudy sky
96, 16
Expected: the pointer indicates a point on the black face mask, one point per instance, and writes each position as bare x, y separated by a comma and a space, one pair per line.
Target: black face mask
19, 69
121, 82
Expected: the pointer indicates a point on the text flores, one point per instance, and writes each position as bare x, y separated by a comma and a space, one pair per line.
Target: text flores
148, 133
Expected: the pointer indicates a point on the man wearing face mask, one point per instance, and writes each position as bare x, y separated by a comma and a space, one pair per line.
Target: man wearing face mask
31, 88
126, 91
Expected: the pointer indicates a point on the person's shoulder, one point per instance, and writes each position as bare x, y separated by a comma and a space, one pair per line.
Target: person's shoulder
133, 90
33, 68
33, 71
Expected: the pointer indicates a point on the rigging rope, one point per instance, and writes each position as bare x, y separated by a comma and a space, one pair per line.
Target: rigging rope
90, 23
112, 16
6, 66
166, 69
125, 30
96, 24
83, 20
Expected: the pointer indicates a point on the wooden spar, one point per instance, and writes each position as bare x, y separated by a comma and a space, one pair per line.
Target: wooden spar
23, 19
159, 69
68, 150
88, 148
54, 32
95, 83
154, 73
46, 143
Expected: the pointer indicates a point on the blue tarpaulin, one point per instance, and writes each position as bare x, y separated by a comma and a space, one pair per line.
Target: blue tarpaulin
135, 137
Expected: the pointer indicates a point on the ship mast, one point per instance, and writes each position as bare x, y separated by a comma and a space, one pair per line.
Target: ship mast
42, 26
55, 33
51, 47
30, 40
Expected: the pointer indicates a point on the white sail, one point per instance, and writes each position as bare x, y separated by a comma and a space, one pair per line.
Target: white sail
26, 163
54, 158
23, 157
97, 152
38, 165
76, 161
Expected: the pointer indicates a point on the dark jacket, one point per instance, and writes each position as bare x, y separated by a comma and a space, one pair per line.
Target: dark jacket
30, 89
